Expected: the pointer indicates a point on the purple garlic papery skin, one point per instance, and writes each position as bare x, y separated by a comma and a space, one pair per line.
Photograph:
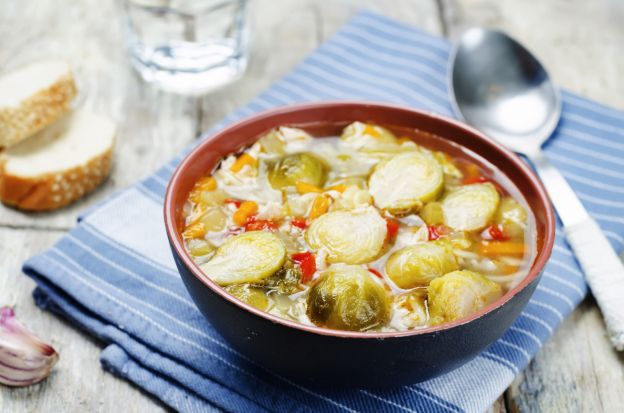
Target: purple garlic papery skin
24, 359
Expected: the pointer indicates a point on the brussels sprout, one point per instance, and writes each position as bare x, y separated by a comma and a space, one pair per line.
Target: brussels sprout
251, 295
418, 264
432, 213
286, 280
404, 182
470, 207
352, 237
299, 167
346, 297
248, 257
513, 217
458, 294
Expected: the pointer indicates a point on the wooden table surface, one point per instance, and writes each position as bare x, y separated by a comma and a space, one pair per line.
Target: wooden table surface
579, 41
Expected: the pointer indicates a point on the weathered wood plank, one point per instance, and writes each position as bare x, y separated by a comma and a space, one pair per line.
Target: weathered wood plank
579, 42
152, 126
78, 383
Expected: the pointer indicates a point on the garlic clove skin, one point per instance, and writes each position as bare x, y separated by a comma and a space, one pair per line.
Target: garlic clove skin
24, 358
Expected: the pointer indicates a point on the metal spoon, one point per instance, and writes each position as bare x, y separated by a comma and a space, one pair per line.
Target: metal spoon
500, 88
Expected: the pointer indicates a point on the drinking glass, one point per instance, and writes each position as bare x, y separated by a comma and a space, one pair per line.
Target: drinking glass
187, 46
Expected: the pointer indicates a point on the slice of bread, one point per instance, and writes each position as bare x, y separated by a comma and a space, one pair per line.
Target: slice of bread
58, 165
33, 97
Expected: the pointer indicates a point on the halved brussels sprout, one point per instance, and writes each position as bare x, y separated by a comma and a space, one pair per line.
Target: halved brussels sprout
285, 280
513, 217
404, 182
352, 237
346, 297
418, 264
298, 167
248, 257
251, 295
458, 294
470, 207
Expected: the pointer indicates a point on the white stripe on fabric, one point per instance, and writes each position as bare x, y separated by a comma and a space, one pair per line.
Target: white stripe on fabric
131, 225
503, 360
593, 107
572, 176
569, 132
599, 201
538, 320
423, 393
467, 386
527, 333
586, 166
556, 294
562, 281
525, 353
390, 402
548, 307
594, 124
562, 250
586, 152
567, 267
364, 76
342, 44
103, 238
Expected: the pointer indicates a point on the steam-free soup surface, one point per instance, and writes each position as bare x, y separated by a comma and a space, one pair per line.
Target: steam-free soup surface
367, 231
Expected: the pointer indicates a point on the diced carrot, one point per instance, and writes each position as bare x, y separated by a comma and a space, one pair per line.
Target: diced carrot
339, 188
307, 263
475, 180
304, 188
320, 205
392, 228
299, 223
244, 211
371, 131
493, 248
207, 183
195, 230
244, 159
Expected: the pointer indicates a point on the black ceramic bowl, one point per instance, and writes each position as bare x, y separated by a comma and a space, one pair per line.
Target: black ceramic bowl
327, 356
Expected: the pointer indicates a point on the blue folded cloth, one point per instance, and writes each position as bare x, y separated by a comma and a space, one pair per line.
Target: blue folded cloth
113, 275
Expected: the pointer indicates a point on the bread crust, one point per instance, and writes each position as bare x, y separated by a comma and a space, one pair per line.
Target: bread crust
36, 112
54, 190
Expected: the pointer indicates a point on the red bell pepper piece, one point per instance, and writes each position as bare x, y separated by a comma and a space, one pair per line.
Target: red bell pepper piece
375, 272
254, 224
392, 227
299, 223
497, 233
307, 264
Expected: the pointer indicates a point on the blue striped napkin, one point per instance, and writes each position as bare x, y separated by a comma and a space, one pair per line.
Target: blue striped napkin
113, 275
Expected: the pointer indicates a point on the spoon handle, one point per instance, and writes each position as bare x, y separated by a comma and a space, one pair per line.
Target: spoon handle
604, 271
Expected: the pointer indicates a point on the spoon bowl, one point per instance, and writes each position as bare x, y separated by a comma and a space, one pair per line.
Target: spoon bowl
503, 90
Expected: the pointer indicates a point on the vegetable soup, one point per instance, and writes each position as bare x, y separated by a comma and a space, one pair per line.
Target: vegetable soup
368, 231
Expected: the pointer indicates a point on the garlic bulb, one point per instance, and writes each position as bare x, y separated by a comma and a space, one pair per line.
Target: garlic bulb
24, 359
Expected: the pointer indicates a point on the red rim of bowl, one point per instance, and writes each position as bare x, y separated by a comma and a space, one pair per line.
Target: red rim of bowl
176, 239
